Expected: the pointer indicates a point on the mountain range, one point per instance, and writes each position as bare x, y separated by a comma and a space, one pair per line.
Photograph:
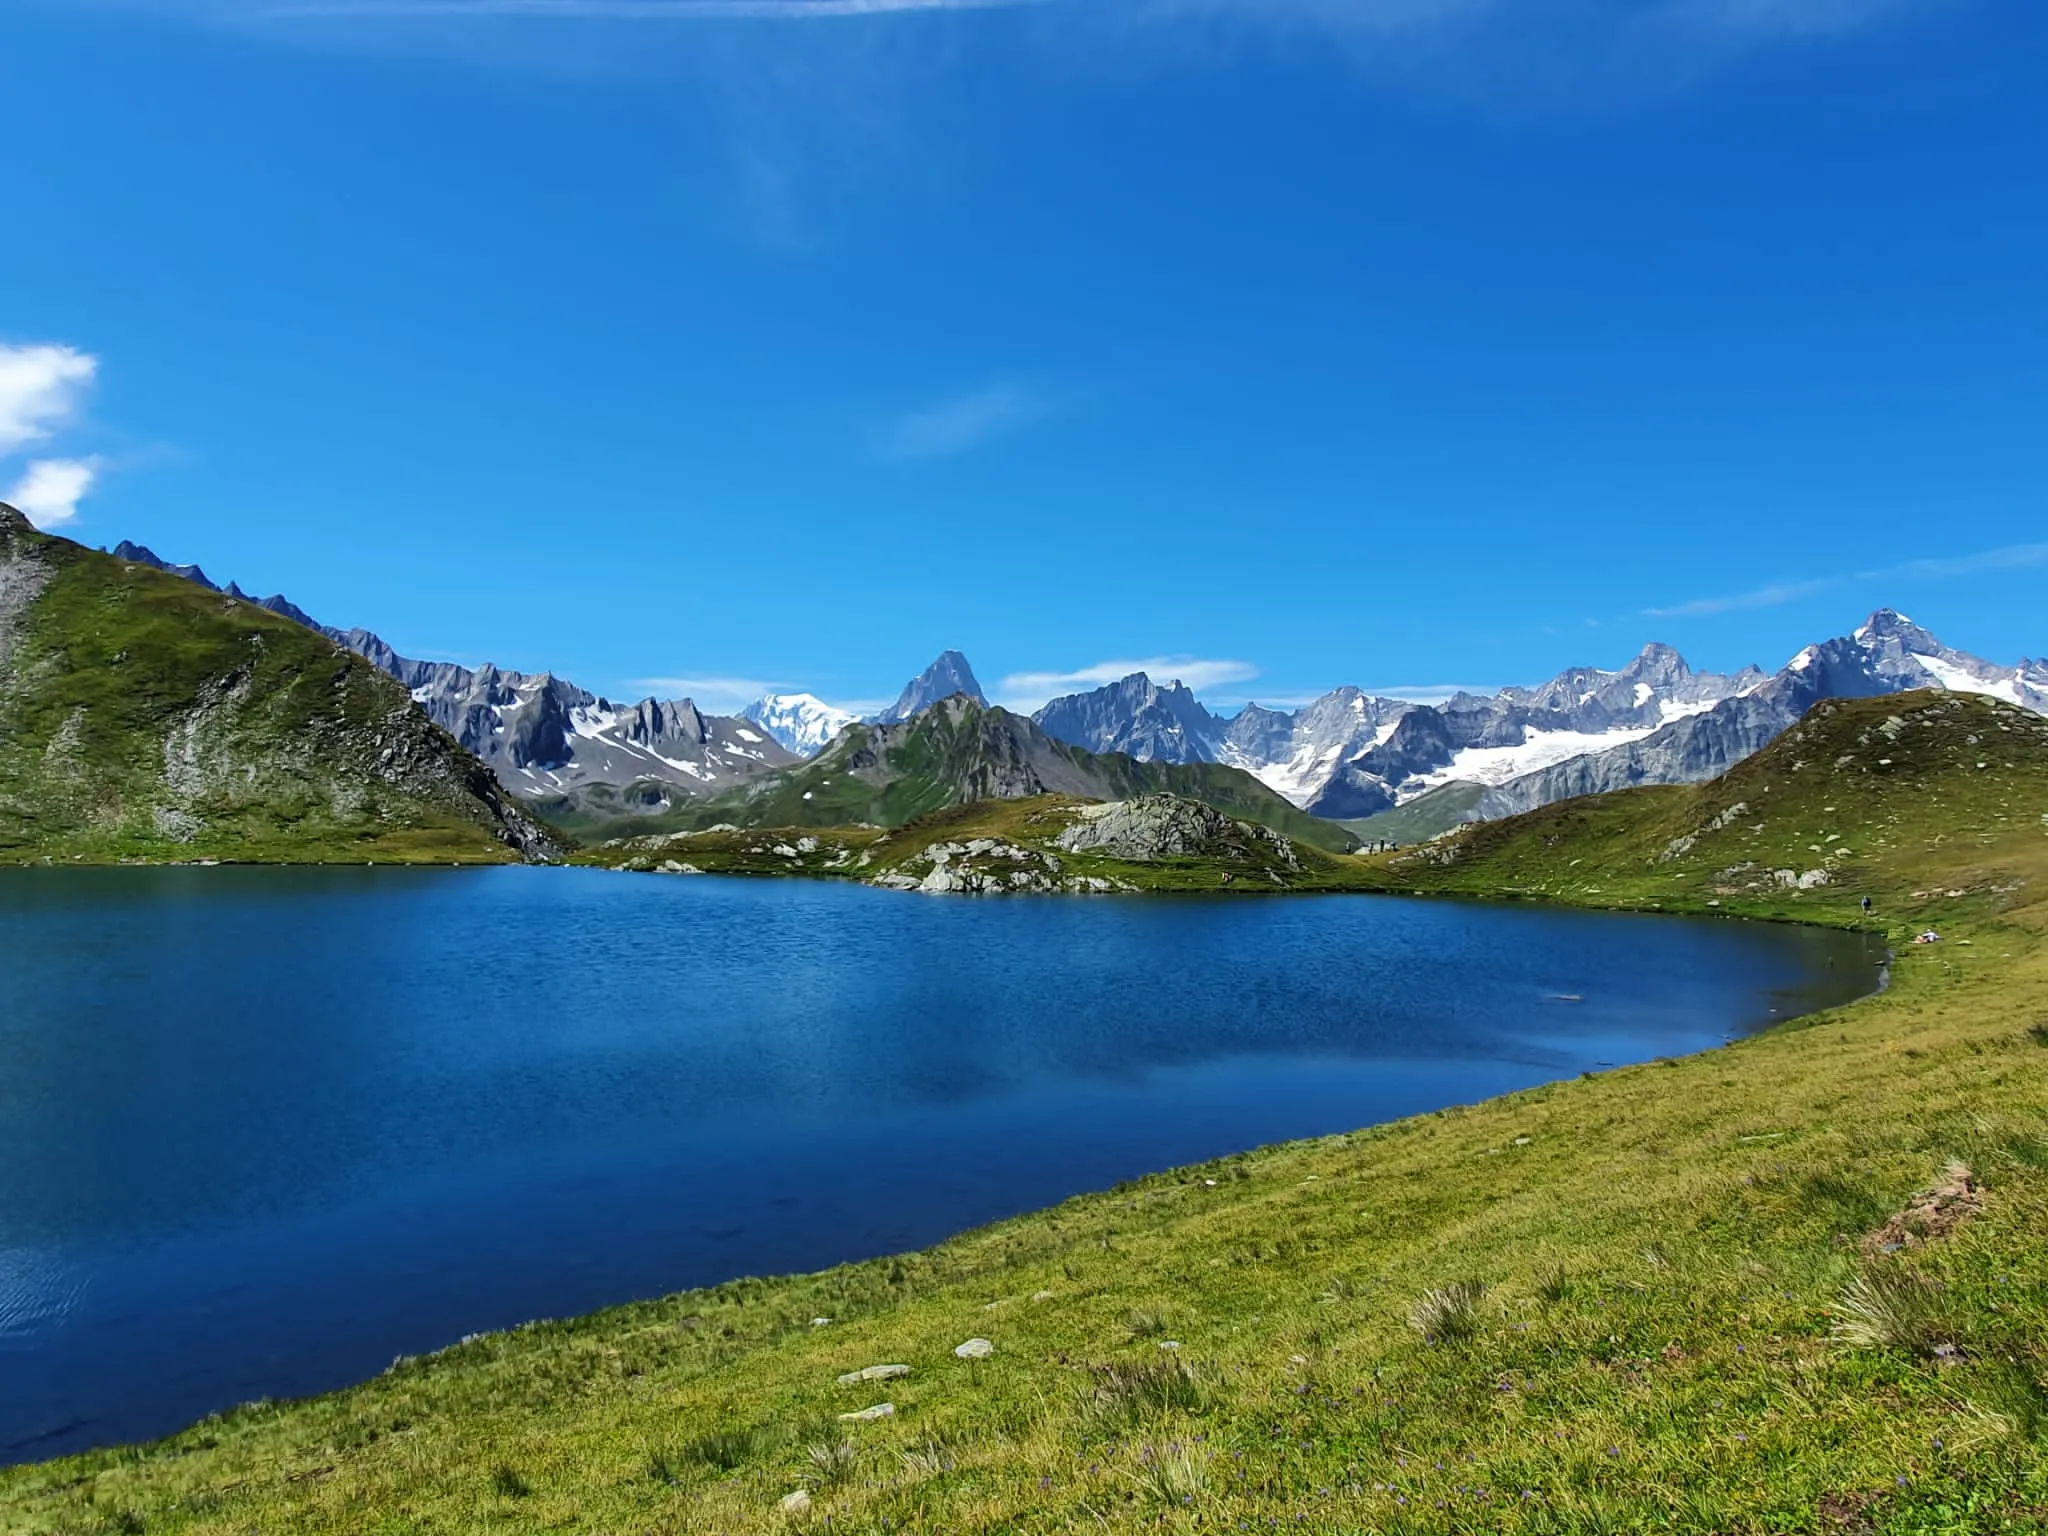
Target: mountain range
1349, 755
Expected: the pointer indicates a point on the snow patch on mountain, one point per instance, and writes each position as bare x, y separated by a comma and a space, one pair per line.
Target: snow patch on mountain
800, 722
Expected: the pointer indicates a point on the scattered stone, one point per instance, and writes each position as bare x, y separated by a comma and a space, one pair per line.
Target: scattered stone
1169, 1343
819, 1322
1932, 1214
975, 1349
1041, 1295
1522, 1141
873, 1373
869, 1415
798, 1503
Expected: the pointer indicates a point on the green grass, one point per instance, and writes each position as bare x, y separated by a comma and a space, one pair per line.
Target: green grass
1422, 818
142, 717
1635, 1302
874, 853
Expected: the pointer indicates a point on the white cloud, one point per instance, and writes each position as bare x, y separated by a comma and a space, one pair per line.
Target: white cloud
1029, 690
960, 425
40, 388
48, 493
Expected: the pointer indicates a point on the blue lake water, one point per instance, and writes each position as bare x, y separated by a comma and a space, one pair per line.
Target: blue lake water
263, 1130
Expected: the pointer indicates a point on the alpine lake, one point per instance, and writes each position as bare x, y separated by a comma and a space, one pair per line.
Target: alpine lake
262, 1130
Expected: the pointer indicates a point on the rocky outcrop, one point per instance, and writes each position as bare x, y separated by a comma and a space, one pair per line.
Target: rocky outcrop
1158, 827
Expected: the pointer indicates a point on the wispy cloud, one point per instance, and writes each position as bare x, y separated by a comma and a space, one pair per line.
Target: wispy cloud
711, 692
1735, 602
1937, 568
962, 424
619, 10
49, 490
41, 387
1029, 690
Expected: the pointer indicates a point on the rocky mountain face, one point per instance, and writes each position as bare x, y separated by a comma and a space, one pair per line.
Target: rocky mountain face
545, 738
960, 751
145, 715
1138, 718
944, 678
1351, 755
801, 722
1888, 653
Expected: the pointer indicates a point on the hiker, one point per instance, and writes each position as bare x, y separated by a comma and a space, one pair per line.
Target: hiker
1866, 906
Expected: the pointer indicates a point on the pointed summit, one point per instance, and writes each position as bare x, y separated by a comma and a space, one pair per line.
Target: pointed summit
949, 675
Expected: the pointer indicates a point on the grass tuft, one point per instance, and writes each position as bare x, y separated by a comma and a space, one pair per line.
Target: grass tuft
832, 1462
1449, 1314
1151, 1389
1175, 1475
508, 1484
1891, 1309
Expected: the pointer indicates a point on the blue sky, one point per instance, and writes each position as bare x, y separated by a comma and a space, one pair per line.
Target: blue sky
1302, 342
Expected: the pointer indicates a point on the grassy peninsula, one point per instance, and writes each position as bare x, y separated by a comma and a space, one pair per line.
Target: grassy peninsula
1793, 1285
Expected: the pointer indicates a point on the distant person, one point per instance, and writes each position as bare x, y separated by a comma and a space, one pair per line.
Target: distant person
1866, 906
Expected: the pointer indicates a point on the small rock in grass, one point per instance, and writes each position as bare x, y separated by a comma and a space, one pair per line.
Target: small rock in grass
869, 1415
819, 1322
798, 1503
975, 1349
1169, 1343
1041, 1295
873, 1373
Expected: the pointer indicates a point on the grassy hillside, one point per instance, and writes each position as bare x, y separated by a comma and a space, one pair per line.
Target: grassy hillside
1746, 1292
959, 752
1422, 818
1230, 861
1889, 797
144, 717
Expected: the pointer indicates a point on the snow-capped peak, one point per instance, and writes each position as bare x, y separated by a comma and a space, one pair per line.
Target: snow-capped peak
802, 722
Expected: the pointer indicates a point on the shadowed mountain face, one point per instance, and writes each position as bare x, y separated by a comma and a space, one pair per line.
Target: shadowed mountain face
145, 715
944, 678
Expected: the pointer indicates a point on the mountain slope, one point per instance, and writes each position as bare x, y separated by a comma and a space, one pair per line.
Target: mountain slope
960, 751
1839, 805
1887, 654
575, 754
144, 716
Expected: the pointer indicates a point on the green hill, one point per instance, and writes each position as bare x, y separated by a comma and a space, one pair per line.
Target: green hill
1852, 801
143, 717
958, 752
1789, 1286
1045, 843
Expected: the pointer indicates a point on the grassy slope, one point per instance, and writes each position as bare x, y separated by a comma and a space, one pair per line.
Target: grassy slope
863, 853
926, 763
1665, 1248
275, 735
1422, 818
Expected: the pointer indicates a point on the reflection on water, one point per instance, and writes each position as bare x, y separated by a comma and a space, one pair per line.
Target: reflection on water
262, 1130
